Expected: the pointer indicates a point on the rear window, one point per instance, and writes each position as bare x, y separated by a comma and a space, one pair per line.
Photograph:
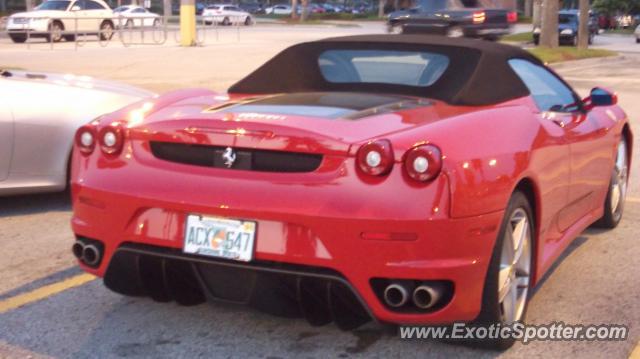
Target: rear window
409, 68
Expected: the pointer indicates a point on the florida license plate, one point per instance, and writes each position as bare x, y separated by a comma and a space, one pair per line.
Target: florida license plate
219, 237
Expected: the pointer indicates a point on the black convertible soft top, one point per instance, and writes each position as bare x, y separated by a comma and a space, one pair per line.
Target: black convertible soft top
478, 72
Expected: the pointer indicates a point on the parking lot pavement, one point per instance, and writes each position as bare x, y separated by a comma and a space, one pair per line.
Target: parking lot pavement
595, 281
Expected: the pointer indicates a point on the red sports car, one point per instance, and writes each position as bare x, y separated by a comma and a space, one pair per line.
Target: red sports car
403, 178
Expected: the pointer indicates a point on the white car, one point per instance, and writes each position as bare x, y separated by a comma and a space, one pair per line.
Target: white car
278, 10
135, 16
39, 115
226, 15
61, 19
637, 33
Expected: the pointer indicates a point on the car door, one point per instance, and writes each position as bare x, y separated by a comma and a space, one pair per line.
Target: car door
79, 17
6, 134
555, 181
96, 14
588, 138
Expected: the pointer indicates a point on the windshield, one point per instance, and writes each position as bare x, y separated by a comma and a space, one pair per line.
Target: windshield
408, 68
567, 19
53, 5
121, 9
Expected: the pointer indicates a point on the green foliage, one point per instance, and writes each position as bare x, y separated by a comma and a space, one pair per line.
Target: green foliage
563, 53
613, 7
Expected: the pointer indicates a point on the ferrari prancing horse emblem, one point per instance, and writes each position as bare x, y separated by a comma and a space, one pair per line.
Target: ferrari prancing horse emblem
229, 157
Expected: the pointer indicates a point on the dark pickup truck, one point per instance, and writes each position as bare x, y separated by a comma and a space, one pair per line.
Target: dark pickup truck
455, 18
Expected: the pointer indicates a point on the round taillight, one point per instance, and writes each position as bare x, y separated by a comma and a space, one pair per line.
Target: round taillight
111, 140
375, 157
86, 139
423, 163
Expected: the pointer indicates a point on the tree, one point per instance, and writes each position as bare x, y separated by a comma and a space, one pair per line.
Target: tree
305, 10
612, 7
167, 10
549, 31
583, 26
381, 4
28, 4
294, 9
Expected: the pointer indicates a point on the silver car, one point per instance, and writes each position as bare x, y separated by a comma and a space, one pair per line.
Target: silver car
39, 114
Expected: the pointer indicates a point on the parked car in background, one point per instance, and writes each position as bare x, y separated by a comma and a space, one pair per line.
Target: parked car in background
453, 18
281, 9
59, 19
226, 15
135, 16
568, 25
252, 8
36, 140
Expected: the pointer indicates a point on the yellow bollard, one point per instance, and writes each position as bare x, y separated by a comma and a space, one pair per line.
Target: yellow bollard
187, 23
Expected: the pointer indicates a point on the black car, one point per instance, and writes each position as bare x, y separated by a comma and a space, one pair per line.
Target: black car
568, 24
455, 18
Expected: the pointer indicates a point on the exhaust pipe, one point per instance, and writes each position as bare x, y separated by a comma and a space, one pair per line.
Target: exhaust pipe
396, 294
91, 255
426, 296
77, 249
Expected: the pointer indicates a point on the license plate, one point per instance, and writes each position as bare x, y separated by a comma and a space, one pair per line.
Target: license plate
219, 237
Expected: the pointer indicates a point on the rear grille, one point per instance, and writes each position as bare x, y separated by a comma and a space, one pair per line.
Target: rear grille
245, 159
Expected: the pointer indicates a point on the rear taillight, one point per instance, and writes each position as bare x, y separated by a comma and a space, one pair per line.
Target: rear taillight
423, 163
111, 139
86, 139
479, 17
512, 17
375, 158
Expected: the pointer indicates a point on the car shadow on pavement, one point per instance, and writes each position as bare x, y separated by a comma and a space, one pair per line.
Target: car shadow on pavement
35, 203
575, 244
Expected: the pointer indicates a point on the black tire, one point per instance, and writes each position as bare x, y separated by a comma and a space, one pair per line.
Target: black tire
611, 217
591, 37
248, 21
226, 21
536, 41
574, 41
55, 31
491, 312
637, 40
18, 38
156, 23
106, 31
70, 38
128, 24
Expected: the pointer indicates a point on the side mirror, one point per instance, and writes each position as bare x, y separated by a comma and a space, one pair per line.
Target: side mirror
75, 8
601, 97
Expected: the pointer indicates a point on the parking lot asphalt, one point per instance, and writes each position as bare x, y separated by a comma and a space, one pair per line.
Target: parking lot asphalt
594, 282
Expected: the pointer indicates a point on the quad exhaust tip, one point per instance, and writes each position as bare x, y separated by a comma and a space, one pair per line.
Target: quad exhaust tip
425, 297
396, 294
87, 253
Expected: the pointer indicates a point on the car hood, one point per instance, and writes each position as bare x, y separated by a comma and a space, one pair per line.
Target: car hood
85, 82
310, 122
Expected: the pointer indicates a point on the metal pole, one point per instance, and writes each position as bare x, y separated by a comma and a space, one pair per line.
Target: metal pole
187, 22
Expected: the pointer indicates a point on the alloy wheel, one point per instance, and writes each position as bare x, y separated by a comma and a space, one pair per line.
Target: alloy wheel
619, 182
515, 267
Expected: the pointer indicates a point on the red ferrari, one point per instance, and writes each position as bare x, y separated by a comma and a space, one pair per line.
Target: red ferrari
407, 179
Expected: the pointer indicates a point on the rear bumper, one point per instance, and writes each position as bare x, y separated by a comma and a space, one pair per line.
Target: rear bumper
315, 220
